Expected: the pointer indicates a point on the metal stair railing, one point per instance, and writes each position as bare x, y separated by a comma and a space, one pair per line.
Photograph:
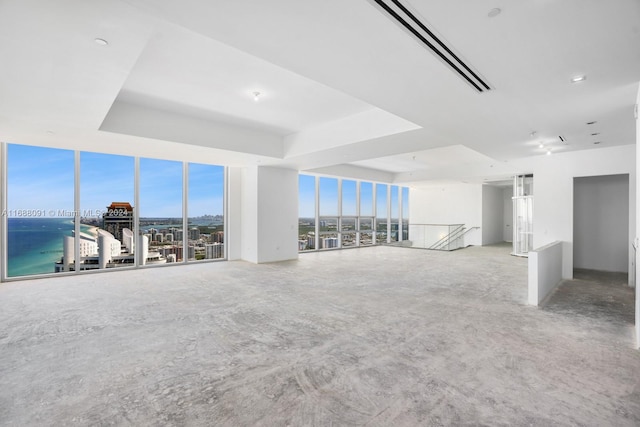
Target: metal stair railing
446, 240
456, 234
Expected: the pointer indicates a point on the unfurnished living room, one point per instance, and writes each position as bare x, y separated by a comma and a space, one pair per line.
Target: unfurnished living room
286, 213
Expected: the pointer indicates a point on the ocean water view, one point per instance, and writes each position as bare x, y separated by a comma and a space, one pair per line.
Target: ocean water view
35, 244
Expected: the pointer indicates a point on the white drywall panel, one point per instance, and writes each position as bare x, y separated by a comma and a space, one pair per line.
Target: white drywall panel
277, 214
233, 216
545, 271
249, 214
637, 223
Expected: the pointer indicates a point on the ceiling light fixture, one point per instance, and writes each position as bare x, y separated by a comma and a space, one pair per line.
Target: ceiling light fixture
578, 79
541, 145
494, 12
101, 42
549, 152
256, 96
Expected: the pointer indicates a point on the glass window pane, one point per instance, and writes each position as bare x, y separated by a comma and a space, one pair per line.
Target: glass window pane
161, 211
395, 203
205, 207
366, 199
328, 196
405, 213
106, 203
348, 230
366, 231
306, 212
349, 198
405, 202
381, 201
395, 207
40, 208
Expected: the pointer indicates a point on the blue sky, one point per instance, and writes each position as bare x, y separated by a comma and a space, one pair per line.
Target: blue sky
43, 179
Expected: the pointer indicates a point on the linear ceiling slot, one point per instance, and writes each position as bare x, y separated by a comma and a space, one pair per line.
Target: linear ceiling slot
409, 21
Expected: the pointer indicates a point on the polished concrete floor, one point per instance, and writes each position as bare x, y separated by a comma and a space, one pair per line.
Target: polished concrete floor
382, 336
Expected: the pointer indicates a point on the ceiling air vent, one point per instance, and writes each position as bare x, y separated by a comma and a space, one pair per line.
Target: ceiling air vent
409, 21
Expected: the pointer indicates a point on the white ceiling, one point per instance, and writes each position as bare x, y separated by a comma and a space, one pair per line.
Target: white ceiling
343, 88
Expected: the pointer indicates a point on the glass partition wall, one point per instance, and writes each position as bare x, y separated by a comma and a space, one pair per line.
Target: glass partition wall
522, 215
69, 211
350, 213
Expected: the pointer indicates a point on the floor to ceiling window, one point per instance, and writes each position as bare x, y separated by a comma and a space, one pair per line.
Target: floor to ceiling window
67, 211
306, 212
382, 213
161, 213
346, 213
206, 211
366, 219
106, 202
40, 208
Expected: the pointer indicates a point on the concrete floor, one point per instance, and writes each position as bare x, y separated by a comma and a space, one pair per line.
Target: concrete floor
375, 336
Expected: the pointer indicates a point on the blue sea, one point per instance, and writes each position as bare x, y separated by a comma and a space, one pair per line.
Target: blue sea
35, 244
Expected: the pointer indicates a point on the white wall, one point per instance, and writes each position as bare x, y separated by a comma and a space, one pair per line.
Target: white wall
507, 214
492, 215
269, 214
448, 204
233, 216
637, 223
601, 223
545, 271
553, 192
277, 214
249, 214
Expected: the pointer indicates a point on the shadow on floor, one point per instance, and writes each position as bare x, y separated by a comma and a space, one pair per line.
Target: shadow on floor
600, 295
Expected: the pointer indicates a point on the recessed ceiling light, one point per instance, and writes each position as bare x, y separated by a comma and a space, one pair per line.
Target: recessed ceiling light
592, 123
541, 145
256, 96
494, 12
101, 42
577, 79
548, 152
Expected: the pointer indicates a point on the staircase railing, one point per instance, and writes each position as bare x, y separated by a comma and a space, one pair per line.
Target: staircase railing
444, 237
445, 242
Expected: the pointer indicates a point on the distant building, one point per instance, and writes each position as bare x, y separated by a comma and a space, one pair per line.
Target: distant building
119, 215
217, 237
214, 250
103, 250
194, 233
329, 242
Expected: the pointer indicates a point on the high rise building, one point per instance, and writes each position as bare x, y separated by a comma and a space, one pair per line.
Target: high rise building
194, 233
214, 250
119, 215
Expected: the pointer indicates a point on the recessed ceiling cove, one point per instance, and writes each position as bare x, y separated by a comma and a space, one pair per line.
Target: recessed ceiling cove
186, 87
